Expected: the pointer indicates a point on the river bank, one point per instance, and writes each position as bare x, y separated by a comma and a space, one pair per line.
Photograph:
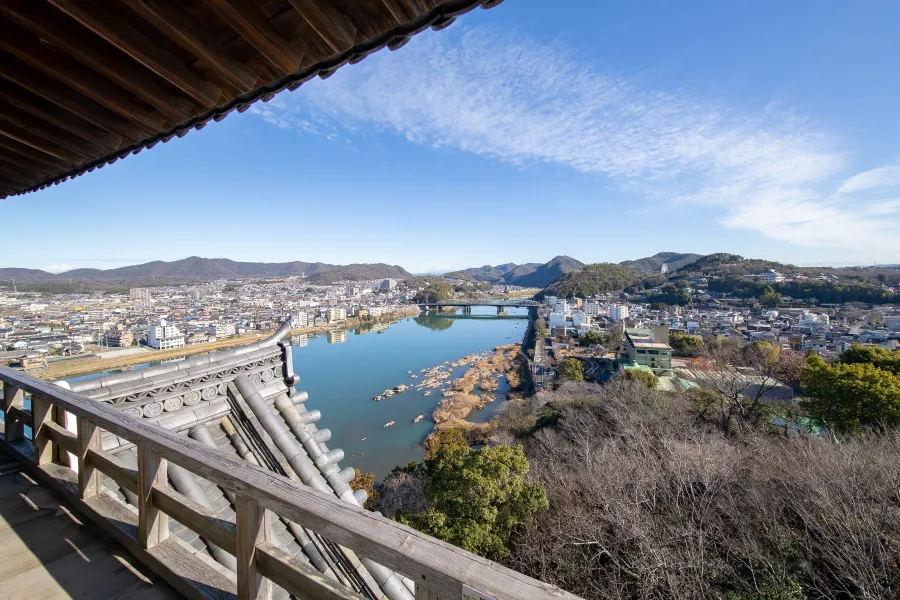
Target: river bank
83, 366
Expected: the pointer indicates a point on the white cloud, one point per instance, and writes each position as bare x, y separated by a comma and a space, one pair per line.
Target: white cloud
512, 99
882, 177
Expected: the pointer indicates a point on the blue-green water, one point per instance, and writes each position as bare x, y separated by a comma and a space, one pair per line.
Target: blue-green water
342, 378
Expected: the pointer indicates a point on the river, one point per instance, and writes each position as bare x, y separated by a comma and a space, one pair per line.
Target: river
344, 371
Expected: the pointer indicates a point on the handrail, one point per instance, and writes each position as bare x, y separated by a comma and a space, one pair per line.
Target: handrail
433, 565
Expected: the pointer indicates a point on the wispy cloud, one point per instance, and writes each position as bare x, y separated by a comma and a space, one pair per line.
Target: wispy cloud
512, 99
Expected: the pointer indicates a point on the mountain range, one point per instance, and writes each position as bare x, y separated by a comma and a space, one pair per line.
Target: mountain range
195, 268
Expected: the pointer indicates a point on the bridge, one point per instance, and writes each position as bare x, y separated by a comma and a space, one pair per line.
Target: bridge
467, 305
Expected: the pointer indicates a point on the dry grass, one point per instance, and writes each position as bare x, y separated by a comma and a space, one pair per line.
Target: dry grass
456, 407
644, 504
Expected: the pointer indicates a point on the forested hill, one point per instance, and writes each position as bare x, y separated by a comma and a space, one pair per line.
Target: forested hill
653, 264
359, 272
594, 279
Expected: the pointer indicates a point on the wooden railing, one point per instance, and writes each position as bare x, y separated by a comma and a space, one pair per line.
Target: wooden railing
74, 462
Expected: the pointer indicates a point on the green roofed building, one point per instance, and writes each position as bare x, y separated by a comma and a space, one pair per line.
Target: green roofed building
649, 348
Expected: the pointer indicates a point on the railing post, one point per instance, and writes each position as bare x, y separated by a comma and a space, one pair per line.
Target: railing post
90, 480
41, 412
13, 427
252, 528
153, 524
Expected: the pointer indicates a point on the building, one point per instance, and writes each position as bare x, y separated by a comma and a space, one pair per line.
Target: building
579, 318
892, 323
387, 284
119, 338
141, 297
164, 336
646, 347
221, 330
301, 319
618, 312
592, 309
770, 276
335, 314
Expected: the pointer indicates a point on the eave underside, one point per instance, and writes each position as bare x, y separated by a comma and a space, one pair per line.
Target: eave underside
85, 84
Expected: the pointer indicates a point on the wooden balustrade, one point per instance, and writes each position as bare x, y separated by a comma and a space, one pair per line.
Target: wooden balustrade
438, 569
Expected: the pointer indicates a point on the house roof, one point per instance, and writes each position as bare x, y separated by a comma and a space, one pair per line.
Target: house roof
84, 84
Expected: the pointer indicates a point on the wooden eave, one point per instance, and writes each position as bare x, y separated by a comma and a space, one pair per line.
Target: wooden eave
84, 84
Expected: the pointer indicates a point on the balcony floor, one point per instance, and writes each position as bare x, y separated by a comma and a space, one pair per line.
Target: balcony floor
47, 551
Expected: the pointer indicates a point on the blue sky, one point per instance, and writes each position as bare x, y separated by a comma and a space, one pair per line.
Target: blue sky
601, 130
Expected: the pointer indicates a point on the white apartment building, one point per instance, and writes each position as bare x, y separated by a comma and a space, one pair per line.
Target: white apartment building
221, 330
388, 284
550, 301
164, 336
618, 312
579, 318
336, 314
592, 309
301, 319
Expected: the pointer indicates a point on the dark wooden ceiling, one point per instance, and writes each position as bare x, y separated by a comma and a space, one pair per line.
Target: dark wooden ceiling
85, 83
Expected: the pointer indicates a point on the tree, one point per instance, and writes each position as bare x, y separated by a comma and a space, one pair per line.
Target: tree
571, 369
645, 377
685, 344
591, 338
476, 498
771, 299
445, 438
880, 357
742, 380
847, 397
540, 328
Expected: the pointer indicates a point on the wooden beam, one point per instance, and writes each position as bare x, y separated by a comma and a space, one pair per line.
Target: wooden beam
114, 468
16, 175
24, 46
97, 55
402, 11
297, 577
196, 517
16, 116
128, 39
331, 25
169, 18
67, 98
38, 143
153, 524
252, 529
90, 480
14, 151
250, 23
59, 435
13, 160
13, 427
49, 112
